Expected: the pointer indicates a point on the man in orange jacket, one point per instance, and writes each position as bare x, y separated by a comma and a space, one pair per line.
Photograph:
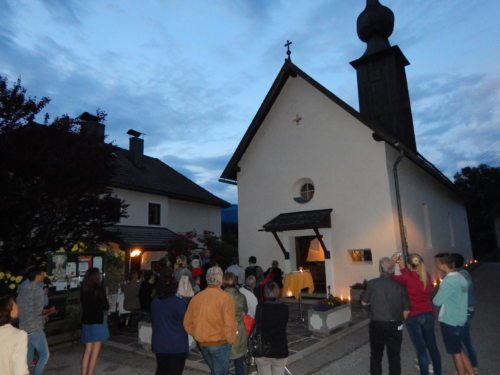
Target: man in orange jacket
210, 319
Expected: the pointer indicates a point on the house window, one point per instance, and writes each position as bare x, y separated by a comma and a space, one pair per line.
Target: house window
360, 255
154, 214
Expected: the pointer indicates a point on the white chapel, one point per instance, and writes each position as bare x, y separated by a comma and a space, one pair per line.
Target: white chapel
332, 189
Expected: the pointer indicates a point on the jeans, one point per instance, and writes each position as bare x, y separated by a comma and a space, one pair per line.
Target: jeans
467, 342
38, 342
421, 331
384, 334
270, 366
239, 366
217, 358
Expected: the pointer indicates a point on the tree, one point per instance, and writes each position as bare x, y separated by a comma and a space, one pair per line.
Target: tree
54, 181
481, 189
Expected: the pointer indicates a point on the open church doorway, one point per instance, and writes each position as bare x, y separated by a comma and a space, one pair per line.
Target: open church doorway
309, 255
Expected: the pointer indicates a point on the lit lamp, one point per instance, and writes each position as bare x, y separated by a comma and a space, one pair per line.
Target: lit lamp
315, 252
134, 253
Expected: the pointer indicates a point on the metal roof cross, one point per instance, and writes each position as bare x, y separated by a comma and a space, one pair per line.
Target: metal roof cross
288, 52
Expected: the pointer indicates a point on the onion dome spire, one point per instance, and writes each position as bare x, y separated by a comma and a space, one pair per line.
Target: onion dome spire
374, 26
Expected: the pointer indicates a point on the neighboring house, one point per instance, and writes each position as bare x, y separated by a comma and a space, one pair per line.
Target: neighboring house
161, 201
322, 186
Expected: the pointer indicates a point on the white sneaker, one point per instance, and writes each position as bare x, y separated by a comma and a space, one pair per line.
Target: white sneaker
431, 369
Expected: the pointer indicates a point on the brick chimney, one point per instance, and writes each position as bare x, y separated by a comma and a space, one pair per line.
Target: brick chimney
90, 126
136, 147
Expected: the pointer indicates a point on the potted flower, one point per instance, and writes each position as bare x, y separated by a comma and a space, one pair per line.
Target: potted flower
355, 291
329, 314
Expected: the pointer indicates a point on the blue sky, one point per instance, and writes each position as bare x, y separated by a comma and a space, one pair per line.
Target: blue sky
192, 74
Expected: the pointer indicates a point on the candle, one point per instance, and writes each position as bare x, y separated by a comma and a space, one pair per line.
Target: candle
349, 299
341, 298
301, 269
289, 293
435, 283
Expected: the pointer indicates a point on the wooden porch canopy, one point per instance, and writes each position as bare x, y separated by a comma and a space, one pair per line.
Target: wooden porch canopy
298, 221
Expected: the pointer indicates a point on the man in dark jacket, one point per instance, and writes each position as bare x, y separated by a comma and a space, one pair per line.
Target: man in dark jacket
389, 307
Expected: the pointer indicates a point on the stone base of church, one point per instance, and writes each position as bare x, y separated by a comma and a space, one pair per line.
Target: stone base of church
324, 322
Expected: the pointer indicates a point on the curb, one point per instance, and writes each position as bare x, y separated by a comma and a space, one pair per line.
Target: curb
327, 341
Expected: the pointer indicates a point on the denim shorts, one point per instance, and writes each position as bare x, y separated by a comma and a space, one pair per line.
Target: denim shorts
452, 337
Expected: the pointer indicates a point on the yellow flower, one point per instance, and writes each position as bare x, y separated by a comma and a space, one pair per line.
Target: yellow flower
12, 278
7, 276
12, 286
1, 275
19, 279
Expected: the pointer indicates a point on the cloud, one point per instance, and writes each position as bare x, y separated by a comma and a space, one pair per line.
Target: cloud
457, 119
205, 171
68, 12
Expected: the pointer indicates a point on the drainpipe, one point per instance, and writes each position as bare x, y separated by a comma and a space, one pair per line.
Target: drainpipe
402, 232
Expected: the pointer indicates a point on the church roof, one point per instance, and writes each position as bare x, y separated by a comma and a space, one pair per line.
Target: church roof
156, 177
288, 70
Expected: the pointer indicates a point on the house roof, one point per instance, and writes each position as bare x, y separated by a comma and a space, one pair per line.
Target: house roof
147, 238
300, 220
229, 175
156, 177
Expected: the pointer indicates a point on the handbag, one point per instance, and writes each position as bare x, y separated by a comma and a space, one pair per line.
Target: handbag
249, 323
257, 346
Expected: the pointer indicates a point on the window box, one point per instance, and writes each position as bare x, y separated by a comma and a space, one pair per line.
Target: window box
324, 322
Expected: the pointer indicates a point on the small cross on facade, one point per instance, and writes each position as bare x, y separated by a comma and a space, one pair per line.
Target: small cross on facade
297, 119
288, 52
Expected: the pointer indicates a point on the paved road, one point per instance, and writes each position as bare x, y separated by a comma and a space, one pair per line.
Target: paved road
485, 333
349, 355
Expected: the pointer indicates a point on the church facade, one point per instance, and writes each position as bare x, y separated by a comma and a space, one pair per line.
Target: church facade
325, 187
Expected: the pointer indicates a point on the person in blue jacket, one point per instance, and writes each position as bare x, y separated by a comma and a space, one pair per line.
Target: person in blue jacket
169, 341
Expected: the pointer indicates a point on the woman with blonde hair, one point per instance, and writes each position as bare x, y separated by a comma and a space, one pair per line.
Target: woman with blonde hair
420, 321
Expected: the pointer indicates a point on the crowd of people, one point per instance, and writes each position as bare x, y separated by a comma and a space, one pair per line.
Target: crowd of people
200, 303
410, 299
216, 310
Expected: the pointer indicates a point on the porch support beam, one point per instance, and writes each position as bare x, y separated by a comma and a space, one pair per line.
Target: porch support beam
285, 253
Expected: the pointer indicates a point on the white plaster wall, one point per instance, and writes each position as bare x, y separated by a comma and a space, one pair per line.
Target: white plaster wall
447, 216
138, 207
184, 216
176, 215
347, 167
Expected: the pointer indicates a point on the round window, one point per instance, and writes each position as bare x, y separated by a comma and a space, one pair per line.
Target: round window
303, 190
307, 192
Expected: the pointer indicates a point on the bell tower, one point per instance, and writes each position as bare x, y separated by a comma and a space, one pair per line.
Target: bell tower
383, 94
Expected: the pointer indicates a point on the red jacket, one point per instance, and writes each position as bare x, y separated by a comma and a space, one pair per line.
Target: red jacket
420, 298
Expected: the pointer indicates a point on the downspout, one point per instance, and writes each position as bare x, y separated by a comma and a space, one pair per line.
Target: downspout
402, 231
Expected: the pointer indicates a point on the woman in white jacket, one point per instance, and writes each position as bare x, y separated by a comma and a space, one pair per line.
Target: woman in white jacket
13, 341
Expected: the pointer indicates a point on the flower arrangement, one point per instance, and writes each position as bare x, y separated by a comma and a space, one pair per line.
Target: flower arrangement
9, 283
330, 303
359, 285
